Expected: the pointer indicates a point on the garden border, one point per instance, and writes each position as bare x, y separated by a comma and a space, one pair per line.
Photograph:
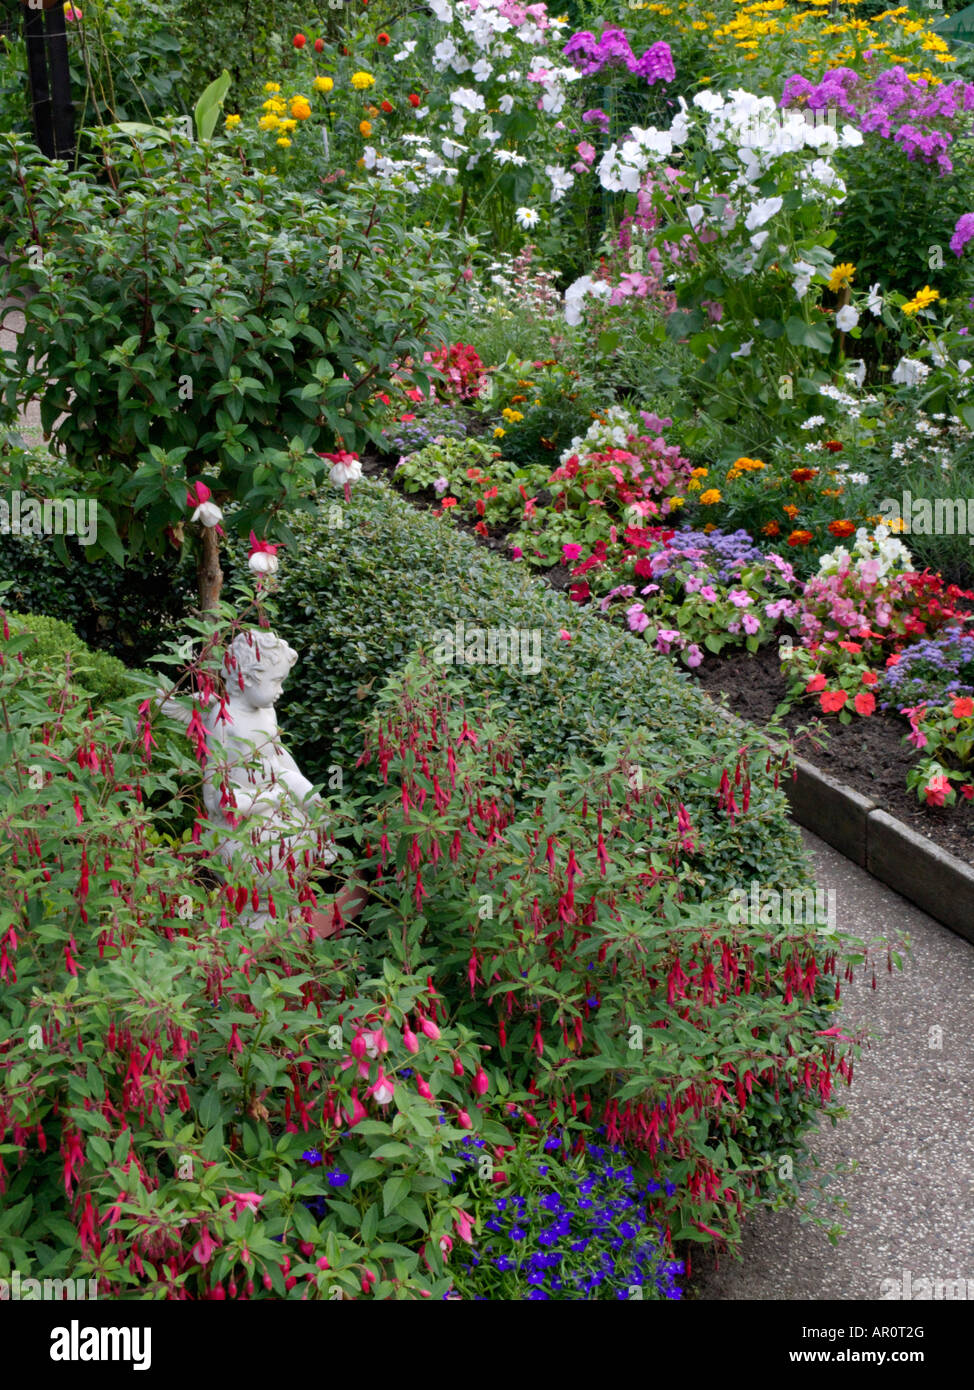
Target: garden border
937, 882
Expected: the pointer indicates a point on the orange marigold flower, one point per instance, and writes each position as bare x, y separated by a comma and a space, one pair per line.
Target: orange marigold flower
800, 538
772, 529
841, 529
790, 511
803, 475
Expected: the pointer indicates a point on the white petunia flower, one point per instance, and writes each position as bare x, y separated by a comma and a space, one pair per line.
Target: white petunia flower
846, 319
762, 211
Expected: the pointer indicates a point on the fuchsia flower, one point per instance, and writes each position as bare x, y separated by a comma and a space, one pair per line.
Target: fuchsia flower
263, 556
243, 1201
464, 1225
481, 1082
410, 1039
204, 1247
382, 1089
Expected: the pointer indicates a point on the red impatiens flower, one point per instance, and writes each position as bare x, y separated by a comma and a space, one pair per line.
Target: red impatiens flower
816, 684
832, 701
967, 791
851, 646
869, 678
963, 707
865, 702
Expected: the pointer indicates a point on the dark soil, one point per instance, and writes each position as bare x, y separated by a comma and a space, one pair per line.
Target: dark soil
868, 754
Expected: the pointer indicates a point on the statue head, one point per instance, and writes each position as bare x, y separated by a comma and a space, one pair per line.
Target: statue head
263, 661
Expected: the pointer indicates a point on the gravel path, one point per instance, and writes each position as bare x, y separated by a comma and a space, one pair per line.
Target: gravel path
910, 1125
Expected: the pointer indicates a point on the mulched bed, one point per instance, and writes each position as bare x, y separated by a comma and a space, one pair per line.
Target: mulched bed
869, 755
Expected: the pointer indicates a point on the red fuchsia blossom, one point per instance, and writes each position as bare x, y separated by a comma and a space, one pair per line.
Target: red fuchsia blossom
204, 1248
242, 1201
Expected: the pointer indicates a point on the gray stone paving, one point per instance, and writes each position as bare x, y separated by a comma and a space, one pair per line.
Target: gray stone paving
910, 1123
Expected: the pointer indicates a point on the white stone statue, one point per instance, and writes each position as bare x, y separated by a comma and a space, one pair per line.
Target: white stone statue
252, 783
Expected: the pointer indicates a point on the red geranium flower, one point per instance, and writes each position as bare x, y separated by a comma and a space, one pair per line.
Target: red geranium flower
851, 646
832, 700
967, 791
319, 45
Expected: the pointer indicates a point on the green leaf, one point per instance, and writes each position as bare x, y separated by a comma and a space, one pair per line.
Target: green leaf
394, 1193
207, 110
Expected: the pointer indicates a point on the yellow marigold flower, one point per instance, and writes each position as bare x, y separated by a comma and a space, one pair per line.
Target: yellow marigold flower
699, 473
300, 108
287, 126
511, 416
841, 276
710, 526
274, 104
372, 110
232, 122
272, 86
323, 84
284, 142
365, 128
676, 502
920, 300
499, 433
708, 498
270, 122
362, 80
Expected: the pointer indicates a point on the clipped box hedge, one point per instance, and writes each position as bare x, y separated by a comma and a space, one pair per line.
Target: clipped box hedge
357, 599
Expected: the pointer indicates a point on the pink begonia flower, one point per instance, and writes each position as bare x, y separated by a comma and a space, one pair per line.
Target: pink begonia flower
694, 655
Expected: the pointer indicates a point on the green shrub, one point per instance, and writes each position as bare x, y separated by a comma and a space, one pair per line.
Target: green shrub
353, 632
54, 642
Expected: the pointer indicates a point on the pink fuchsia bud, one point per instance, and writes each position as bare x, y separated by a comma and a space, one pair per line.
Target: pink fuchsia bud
429, 1028
464, 1227
359, 1045
423, 1088
322, 1263
306, 1248
359, 1112
410, 1039
457, 1067
464, 1121
446, 1246
368, 1279
481, 1082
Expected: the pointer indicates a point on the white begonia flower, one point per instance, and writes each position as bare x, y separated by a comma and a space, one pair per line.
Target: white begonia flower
846, 319
208, 513
527, 218
851, 137
577, 291
874, 300
444, 53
